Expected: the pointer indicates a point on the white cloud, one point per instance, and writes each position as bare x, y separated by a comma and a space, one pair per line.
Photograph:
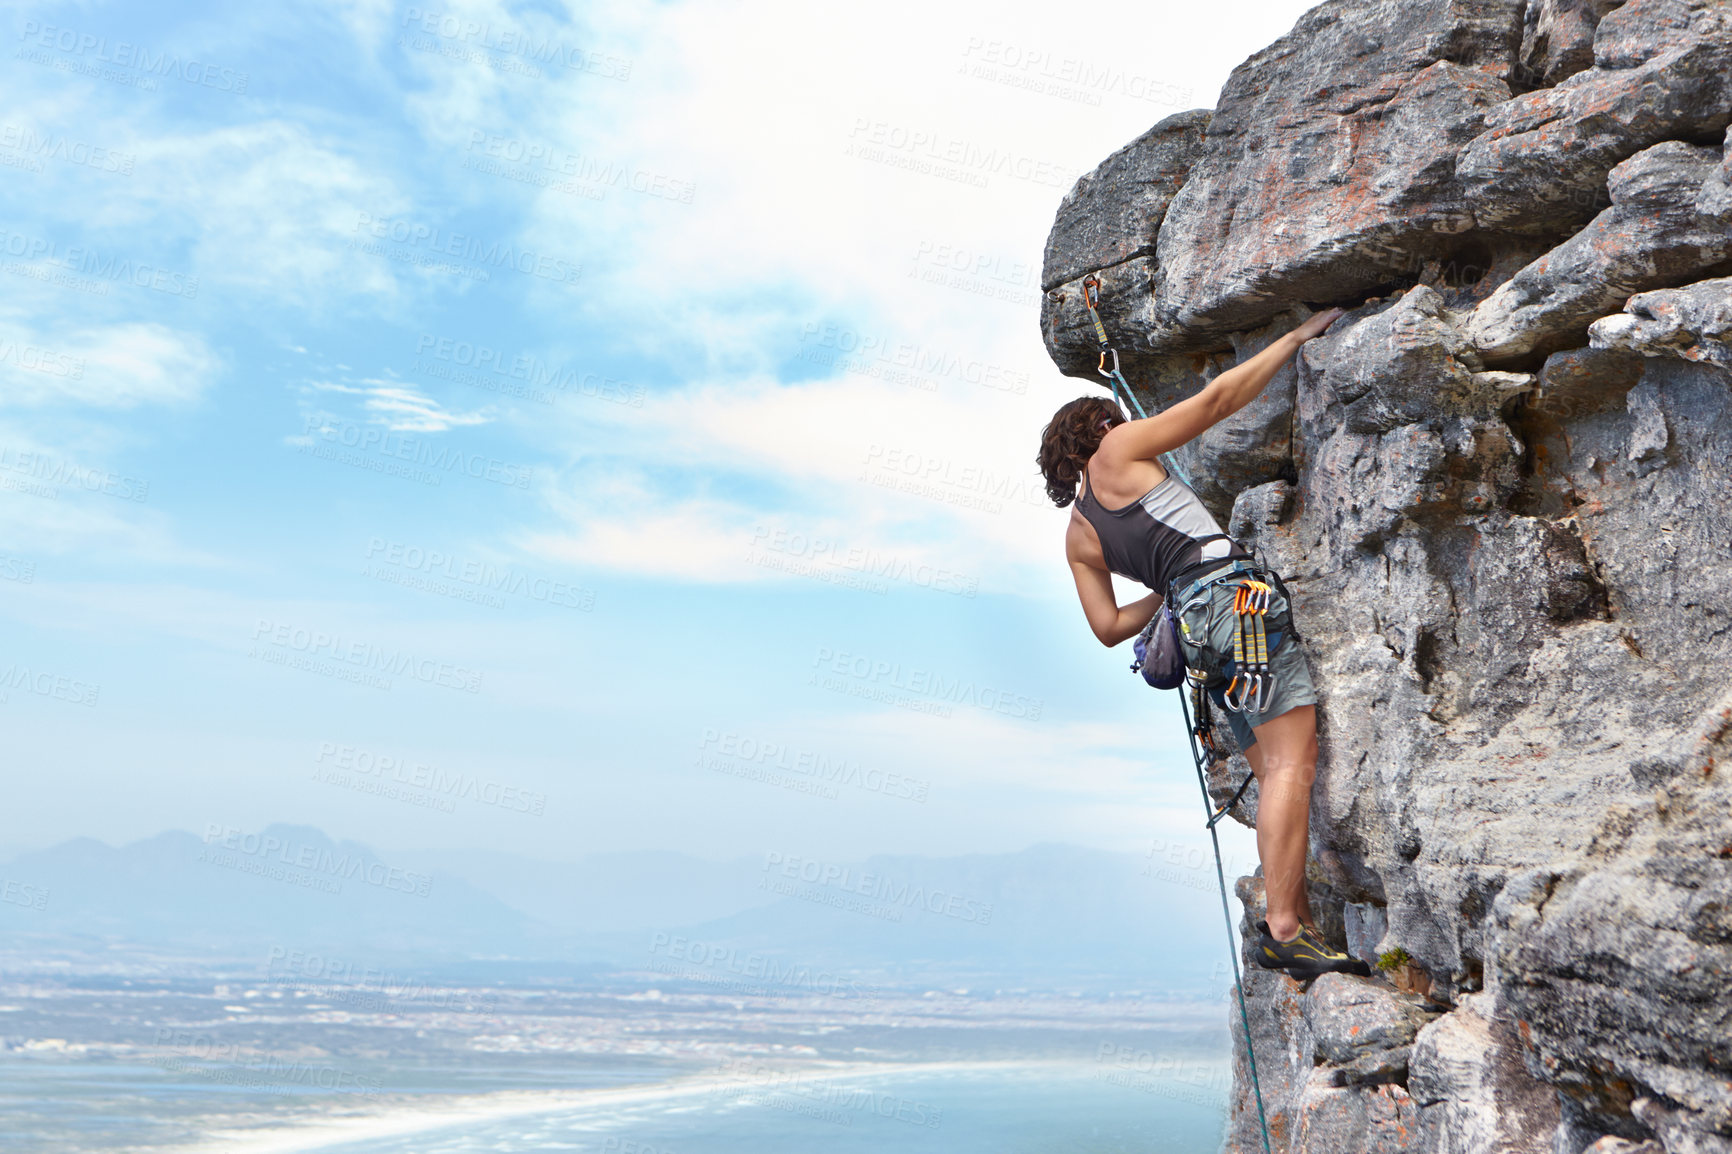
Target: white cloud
270, 207
696, 540
827, 480
822, 142
400, 407
818, 147
112, 366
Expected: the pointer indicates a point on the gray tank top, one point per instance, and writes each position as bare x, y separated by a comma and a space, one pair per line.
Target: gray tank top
1158, 536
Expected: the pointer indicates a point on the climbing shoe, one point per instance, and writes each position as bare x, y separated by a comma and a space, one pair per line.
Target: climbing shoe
1304, 955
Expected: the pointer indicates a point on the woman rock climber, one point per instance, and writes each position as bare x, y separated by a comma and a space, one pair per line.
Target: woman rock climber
1131, 517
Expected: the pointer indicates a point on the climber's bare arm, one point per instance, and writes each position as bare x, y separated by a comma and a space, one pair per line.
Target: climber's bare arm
1111, 622
1235, 388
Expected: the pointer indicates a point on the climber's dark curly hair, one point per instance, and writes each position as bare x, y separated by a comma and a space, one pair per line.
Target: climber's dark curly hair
1070, 439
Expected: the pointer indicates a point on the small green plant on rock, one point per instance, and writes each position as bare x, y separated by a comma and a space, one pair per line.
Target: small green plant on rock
1392, 959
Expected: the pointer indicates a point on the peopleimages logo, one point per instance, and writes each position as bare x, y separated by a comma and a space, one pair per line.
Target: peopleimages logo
271, 855
946, 480
876, 886
441, 242
234, 1063
36, 359
746, 756
771, 974
522, 159
949, 156
495, 370
45, 684
480, 574
87, 46
511, 41
849, 348
316, 643
20, 138
1070, 78
419, 452
826, 1099
421, 775
893, 676
31, 897
42, 467
825, 558
103, 266
365, 987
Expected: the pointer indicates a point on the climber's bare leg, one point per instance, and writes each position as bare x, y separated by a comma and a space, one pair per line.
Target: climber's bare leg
1254, 755
1285, 762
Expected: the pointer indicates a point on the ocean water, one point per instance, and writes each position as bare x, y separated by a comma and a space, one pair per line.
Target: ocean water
99, 1106
1173, 1103
1049, 1109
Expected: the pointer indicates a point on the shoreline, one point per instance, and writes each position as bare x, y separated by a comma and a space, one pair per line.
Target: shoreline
401, 1118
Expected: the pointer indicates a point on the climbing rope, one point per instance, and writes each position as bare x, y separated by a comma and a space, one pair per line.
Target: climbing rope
1202, 739
1251, 602
1115, 379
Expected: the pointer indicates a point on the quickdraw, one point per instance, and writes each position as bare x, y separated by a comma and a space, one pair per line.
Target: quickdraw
1204, 729
1251, 681
1091, 301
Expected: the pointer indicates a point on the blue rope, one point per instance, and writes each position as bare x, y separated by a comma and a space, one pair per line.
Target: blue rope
1116, 379
1232, 950
1091, 297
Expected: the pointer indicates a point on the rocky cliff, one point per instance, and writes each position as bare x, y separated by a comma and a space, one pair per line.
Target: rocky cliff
1501, 490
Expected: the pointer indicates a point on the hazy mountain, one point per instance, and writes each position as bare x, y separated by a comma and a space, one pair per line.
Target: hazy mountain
1051, 912
288, 885
1048, 915
607, 893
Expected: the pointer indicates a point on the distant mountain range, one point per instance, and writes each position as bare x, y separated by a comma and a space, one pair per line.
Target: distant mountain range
1048, 917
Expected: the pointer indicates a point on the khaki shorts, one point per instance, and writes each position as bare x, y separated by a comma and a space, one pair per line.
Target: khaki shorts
1206, 627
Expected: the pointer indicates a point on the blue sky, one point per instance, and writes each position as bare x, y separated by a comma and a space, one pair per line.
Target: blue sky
607, 403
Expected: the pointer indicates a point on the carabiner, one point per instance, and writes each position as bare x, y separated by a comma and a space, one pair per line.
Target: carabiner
1102, 367
1243, 700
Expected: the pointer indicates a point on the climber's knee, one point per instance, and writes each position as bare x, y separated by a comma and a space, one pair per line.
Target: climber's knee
1287, 776
1300, 771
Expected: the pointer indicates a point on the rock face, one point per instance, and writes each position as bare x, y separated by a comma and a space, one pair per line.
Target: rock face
1652, 235
1558, 39
1694, 323
1500, 489
1662, 71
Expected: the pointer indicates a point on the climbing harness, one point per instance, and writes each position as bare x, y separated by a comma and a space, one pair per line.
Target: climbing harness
1115, 379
